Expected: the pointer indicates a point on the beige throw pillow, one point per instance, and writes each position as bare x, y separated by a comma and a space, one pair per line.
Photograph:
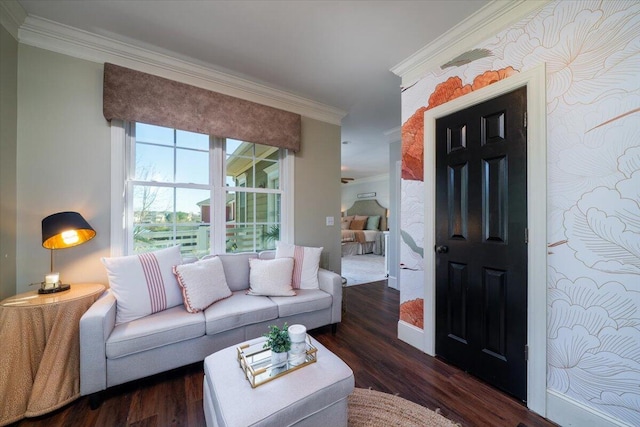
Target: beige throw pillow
202, 282
271, 277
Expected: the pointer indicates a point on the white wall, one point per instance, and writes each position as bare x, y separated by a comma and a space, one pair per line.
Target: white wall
375, 184
591, 52
393, 250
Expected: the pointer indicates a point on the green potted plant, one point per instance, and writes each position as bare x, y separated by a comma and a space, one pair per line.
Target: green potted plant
279, 342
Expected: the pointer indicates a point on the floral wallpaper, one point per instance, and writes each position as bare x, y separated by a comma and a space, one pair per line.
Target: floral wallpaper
592, 54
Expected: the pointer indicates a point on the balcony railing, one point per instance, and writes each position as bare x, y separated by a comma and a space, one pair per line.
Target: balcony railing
194, 239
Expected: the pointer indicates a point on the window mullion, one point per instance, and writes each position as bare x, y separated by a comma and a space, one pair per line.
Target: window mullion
288, 184
130, 173
217, 207
174, 216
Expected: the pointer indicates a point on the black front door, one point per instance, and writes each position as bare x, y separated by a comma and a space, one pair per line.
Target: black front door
481, 248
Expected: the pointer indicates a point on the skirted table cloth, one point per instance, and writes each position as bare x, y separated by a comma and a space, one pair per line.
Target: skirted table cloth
40, 355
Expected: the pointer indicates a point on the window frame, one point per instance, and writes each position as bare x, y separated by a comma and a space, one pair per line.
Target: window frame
122, 216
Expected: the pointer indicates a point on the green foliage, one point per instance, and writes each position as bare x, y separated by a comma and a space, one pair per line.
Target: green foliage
273, 234
278, 339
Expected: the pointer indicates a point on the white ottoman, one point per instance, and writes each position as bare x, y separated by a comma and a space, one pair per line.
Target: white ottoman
314, 395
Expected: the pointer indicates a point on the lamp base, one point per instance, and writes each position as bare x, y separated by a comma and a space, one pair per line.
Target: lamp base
54, 290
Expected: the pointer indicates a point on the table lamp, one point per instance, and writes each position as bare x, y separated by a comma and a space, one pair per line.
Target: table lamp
62, 230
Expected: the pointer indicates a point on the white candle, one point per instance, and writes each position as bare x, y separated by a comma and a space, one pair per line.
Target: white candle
51, 278
297, 333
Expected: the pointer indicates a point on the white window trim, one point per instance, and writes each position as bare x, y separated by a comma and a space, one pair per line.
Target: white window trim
120, 242
273, 173
118, 179
287, 219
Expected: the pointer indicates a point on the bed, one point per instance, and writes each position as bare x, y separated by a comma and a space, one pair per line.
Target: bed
362, 228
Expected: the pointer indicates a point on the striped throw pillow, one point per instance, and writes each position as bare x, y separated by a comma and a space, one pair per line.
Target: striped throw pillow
144, 284
305, 266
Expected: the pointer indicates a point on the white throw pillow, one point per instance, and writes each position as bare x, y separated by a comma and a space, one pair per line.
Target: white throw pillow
202, 282
306, 264
144, 284
271, 277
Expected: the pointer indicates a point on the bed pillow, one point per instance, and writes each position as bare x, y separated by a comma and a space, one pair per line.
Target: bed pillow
348, 218
306, 264
361, 217
271, 277
344, 225
358, 224
202, 282
144, 284
373, 222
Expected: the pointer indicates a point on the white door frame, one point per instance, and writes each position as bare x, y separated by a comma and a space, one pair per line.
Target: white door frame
534, 80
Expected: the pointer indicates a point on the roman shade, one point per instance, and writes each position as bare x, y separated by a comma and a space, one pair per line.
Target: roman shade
135, 96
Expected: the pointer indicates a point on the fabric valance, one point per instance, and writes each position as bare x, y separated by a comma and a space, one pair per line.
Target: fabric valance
140, 97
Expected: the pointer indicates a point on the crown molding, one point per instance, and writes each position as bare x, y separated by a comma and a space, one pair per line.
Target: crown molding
482, 25
12, 15
56, 37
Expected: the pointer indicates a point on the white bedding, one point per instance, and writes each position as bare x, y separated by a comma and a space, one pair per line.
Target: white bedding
368, 247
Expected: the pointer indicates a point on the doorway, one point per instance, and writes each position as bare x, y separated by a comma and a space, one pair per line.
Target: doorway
534, 80
481, 240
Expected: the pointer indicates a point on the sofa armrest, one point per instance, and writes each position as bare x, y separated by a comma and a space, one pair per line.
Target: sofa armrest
332, 283
95, 327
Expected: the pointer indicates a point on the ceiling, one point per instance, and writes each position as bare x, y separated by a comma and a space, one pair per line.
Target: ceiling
338, 53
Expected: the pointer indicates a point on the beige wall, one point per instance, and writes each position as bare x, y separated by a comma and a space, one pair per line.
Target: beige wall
317, 190
8, 122
64, 164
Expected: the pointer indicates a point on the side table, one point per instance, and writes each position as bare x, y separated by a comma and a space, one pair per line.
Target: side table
40, 357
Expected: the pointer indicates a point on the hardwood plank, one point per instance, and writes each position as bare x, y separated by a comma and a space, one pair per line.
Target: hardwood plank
383, 362
366, 340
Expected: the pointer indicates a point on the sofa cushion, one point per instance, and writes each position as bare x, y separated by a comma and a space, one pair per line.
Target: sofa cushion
271, 277
144, 284
202, 282
306, 301
305, 268
236, 269
156, 330
237, 311
268, 254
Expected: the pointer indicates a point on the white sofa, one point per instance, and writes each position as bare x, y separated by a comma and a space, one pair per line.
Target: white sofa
113, 354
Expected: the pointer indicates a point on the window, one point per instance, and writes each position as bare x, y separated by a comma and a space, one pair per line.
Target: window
208, 194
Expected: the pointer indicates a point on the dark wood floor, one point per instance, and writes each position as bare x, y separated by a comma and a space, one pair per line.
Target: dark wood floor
366, 341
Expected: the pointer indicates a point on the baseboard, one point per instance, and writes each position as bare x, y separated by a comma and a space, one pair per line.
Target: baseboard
411, 335
392, 282
568, 412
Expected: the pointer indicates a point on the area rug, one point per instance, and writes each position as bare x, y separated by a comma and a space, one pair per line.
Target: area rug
369, 408
358, 269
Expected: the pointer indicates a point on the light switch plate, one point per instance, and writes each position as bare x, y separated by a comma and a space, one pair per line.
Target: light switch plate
329, 221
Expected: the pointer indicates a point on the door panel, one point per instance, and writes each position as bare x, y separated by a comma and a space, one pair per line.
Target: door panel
457, 303
494, 311
458, 196
494, 200
481, 264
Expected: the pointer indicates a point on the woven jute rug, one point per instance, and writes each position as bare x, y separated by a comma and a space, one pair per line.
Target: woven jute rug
373, 408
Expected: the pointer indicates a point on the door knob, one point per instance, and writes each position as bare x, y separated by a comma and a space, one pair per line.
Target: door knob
442, 249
